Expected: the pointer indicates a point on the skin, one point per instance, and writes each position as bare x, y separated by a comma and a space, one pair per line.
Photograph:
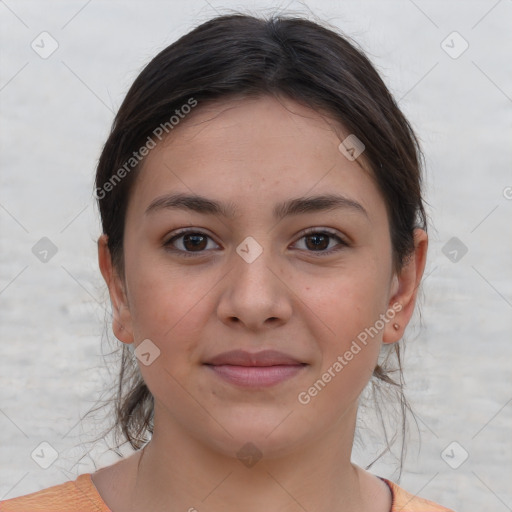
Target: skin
254, 153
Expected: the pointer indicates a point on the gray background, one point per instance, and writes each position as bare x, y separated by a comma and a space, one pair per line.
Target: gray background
56, 113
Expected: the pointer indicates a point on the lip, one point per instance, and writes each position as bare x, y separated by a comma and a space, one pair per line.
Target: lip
255, 370
244, 358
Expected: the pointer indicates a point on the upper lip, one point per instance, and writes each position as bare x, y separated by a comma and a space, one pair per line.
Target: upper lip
244, 358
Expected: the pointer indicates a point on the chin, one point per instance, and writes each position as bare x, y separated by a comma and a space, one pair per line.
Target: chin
259, 435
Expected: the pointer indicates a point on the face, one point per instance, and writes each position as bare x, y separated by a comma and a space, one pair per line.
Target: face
307, 284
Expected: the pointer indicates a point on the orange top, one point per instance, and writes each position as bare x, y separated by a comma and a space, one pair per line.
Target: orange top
81, 495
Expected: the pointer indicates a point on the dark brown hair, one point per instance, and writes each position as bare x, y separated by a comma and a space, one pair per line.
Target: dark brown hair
242, 55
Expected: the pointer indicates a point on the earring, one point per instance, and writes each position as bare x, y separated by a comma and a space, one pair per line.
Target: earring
396, 327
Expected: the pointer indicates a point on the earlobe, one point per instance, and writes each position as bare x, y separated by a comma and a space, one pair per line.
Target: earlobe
121, 318
404, 289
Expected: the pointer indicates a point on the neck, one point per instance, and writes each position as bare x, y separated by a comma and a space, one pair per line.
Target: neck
178, 472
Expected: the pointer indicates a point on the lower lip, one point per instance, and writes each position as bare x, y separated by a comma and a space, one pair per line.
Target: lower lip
256, 376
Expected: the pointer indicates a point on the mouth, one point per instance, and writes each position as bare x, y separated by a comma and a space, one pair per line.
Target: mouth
255, 370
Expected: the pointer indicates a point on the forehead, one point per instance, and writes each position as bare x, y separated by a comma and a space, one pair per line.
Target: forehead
246, 125
253, 152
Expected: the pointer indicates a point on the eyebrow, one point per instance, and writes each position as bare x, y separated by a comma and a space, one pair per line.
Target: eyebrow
297, 206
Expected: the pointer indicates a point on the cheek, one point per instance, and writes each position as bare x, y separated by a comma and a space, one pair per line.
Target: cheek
346, 322
164, 304
349, 347
347, 304
170, 315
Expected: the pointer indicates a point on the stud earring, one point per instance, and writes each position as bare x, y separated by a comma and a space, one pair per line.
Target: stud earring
396, 327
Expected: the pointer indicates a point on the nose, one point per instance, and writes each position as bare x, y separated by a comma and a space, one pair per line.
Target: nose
255, 293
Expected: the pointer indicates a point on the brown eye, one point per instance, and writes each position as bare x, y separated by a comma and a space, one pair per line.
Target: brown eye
191, 242
194, 241
319, 240
188, 242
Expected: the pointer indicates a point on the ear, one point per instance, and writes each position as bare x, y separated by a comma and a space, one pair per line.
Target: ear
405, 289
121, 317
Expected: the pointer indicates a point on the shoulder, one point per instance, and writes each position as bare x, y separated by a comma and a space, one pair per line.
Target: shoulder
404, 501
78, 495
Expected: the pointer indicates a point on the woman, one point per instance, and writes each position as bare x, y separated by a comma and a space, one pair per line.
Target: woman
264, 238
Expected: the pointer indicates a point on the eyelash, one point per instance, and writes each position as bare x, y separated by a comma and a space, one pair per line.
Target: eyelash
306, 233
